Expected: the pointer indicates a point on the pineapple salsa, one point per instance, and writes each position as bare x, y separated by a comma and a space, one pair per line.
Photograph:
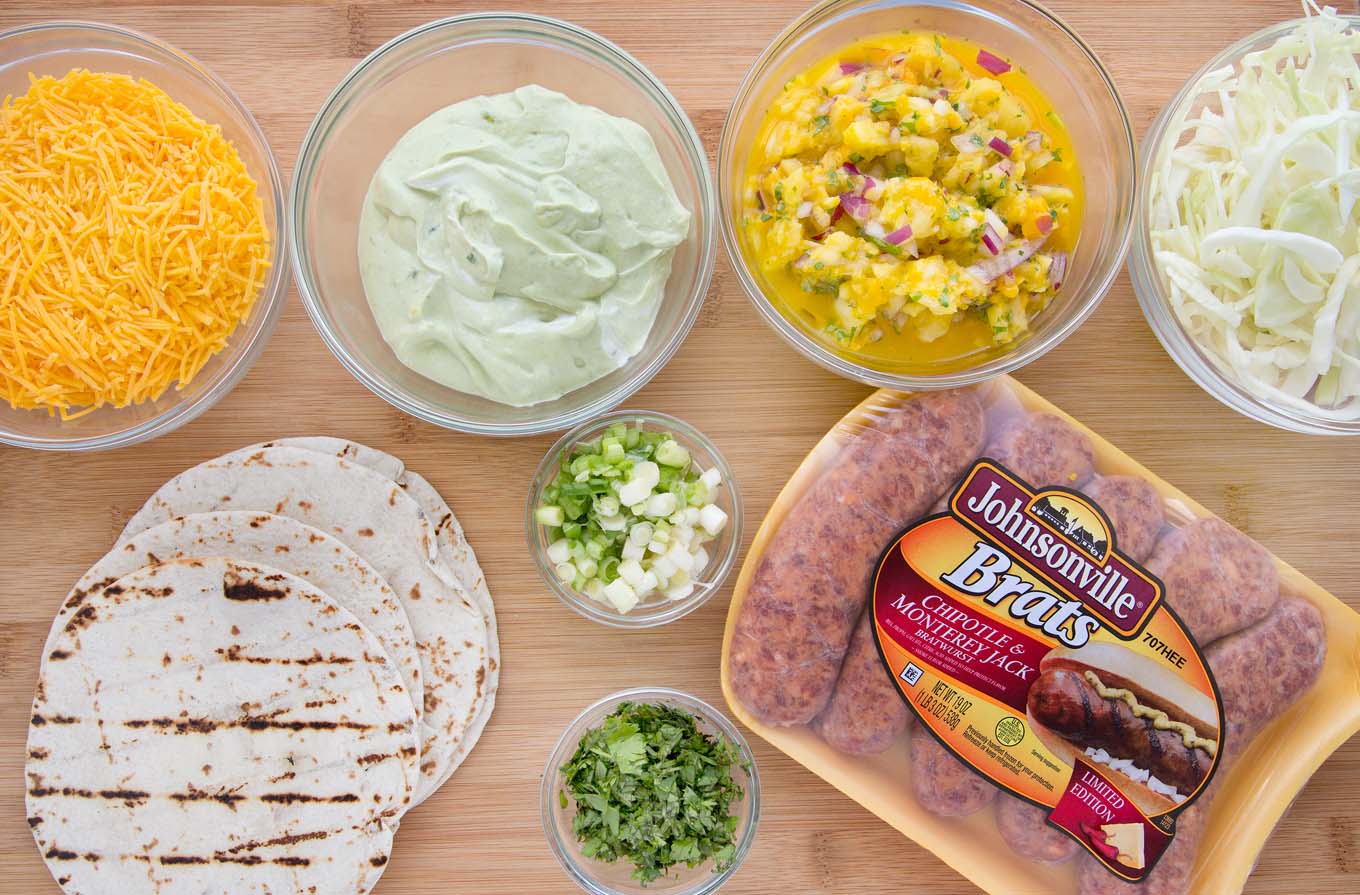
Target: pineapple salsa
912, 198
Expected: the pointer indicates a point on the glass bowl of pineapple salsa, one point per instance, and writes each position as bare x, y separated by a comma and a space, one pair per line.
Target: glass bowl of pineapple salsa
926, 194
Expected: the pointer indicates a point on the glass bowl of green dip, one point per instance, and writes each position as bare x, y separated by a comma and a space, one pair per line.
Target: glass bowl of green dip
468, 60
560, 808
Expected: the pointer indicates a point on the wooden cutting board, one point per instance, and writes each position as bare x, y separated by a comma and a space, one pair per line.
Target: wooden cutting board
763, 404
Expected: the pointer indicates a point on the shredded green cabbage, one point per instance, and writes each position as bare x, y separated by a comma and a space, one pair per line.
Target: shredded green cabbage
1253, 218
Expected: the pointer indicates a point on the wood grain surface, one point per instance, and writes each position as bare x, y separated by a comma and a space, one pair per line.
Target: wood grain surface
762, 403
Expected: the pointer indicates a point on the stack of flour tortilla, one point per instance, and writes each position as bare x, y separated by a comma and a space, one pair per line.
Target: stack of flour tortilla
288, 648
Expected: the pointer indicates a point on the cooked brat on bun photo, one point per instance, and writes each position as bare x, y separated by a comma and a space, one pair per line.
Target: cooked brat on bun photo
1153, 733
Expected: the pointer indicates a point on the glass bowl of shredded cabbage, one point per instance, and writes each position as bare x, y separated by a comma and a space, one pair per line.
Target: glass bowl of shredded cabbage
1247, 259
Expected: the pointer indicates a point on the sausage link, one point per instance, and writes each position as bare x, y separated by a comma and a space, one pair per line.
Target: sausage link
794, 625
944, 785
1024, 827
866, 712
1260, 672
1135, 511
1217, 579
1045, 450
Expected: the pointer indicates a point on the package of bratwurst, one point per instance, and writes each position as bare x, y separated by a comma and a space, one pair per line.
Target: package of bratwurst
1032, 656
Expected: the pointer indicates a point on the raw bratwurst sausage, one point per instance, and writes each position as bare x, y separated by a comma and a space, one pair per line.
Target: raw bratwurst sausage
943, 784
1260, 673
866, 713
1216, 578
794, 626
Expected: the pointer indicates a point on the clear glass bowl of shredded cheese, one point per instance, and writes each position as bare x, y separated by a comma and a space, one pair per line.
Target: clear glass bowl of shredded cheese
54, 50
1047, 70
1246, 259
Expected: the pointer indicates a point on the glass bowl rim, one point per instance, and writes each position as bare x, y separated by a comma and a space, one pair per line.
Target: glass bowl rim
583, 605
557, 31
651, 695
273, 292
1030, 350
1147, 282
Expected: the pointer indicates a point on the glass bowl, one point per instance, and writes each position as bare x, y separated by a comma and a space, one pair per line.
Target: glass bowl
403, 82
1150, 287
600, 878
722, 550
54, 48
1079, 88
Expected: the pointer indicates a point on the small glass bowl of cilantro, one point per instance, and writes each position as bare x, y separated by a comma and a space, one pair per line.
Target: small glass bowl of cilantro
634, 519
650, 790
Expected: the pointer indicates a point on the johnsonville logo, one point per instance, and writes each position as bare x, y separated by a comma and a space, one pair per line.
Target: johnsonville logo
1062, 538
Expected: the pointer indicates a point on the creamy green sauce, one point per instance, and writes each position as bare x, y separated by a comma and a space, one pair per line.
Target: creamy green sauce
517, 246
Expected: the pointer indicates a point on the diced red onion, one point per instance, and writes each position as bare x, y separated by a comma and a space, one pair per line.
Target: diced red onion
1003, 168
850, 166
965, 143
837, 213
802, 261
760, 200
818, 237
1040, 161
989, 270
856, 206
943, 93
869, 183
850, 68
898, 59
894, 135
898, 236
1057, 270
991, 240
994, 64
805, 209
1000, 146
1034, 140
825, 108
1044, 224
875, 229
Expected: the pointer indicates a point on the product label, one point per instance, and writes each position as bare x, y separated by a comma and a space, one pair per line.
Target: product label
1047, 661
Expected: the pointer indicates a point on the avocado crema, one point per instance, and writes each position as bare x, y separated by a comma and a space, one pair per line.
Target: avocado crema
517, 246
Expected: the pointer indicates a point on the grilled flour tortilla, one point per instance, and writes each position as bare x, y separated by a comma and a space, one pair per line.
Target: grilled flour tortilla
380, 522
210, 726
453, 549
282, 543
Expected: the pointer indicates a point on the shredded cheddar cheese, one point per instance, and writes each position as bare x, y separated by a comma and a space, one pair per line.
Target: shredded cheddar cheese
132, 243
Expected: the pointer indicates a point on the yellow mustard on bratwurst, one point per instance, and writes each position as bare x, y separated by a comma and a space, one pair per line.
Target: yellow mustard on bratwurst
912, 198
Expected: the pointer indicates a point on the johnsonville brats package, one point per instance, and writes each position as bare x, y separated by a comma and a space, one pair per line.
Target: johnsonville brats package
1032, 656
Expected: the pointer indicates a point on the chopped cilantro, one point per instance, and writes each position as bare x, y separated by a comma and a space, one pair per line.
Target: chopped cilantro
1057, 154
488, 117
955, 212
767, 217
856, 158
900, 170
820, 123
650, 787
880, 107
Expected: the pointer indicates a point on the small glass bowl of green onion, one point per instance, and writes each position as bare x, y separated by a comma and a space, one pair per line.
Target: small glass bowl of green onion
634, 519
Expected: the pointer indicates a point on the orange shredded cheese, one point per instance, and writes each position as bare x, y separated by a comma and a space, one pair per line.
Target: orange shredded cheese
132, 243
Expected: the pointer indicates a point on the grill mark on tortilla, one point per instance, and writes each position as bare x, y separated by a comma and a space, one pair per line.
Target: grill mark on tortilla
86, 614
250, 589
208, 725
38, 754
39, 720
34, 821
194, 794
233, 654
378, 860
113, 795
296, 798
291, 839
58, 655
246, 860
377, 757
59, 854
